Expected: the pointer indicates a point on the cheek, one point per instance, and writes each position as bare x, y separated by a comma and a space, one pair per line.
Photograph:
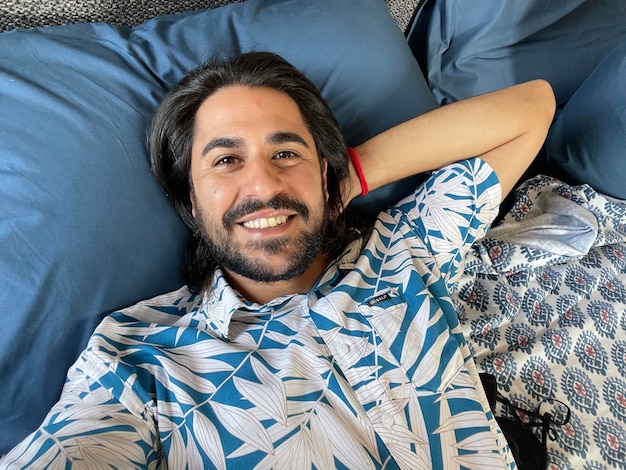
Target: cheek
212, 200
317, 195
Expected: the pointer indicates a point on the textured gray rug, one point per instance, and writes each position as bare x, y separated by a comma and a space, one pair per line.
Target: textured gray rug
18, 14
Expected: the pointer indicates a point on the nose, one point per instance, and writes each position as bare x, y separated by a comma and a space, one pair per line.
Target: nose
261, 179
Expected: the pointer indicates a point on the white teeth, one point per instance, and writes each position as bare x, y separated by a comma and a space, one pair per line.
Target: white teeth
266, 223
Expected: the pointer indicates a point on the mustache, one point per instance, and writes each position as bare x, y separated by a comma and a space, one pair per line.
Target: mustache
280, 201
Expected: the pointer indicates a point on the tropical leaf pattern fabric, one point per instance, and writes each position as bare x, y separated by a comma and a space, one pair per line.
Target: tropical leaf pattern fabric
367, 370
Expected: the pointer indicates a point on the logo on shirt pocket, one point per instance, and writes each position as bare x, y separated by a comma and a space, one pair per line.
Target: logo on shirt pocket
386, 313
418, 338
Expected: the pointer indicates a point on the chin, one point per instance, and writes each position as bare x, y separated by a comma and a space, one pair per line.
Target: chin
286, 268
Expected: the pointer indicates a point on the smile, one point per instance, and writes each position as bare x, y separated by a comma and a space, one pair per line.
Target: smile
266, 222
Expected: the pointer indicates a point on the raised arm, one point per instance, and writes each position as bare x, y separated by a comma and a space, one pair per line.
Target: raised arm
506, 128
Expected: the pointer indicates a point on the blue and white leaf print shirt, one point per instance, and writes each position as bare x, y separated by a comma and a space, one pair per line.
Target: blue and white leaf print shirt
368, 370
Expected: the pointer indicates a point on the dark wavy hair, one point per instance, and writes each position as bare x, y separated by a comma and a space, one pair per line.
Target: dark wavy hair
171, 134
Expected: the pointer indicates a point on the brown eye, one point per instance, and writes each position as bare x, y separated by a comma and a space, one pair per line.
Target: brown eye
225, 160
286, 154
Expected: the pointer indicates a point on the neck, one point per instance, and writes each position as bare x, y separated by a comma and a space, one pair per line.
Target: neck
264, 292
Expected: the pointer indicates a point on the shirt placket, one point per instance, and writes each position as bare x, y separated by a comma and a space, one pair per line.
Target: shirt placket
356, 351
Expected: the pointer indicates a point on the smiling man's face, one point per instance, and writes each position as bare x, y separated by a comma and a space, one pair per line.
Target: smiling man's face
258, 184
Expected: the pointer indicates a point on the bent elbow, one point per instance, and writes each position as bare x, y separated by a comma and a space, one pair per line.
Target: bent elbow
544, 102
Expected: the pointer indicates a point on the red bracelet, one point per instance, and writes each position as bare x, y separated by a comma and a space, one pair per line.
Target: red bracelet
359, 171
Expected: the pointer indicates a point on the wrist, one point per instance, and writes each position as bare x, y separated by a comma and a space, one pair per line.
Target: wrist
356, 165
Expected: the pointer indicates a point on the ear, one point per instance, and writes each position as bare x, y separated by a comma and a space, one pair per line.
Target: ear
324, 166
192, 199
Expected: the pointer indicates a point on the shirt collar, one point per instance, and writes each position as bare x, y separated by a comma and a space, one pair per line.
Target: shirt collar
221, 302
338, 268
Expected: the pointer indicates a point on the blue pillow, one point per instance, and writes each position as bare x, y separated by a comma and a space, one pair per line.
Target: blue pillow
588, 139
85, 230
475, 47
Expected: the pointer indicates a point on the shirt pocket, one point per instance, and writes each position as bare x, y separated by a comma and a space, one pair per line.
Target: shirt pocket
416, 334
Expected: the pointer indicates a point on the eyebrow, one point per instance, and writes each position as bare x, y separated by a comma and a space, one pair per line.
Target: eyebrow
236, 142
223, 142
286, 137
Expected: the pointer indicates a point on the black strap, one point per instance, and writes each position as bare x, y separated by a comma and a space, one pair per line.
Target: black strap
529, 452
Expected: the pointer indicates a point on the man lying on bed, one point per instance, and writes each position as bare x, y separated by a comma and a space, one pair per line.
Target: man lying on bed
302, 339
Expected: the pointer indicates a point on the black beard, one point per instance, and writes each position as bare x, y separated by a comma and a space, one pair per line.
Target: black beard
230, 257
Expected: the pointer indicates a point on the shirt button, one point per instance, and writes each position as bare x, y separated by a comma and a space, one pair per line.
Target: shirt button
388, 420
343, 349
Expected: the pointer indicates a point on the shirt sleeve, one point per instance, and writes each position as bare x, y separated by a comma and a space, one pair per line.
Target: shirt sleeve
454, 207
88, 426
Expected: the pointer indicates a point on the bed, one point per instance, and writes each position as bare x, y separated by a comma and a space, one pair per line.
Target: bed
85, 230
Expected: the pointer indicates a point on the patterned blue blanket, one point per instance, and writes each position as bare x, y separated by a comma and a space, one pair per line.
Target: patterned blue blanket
543, 305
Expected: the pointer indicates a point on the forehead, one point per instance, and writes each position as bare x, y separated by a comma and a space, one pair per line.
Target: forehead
240, 104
